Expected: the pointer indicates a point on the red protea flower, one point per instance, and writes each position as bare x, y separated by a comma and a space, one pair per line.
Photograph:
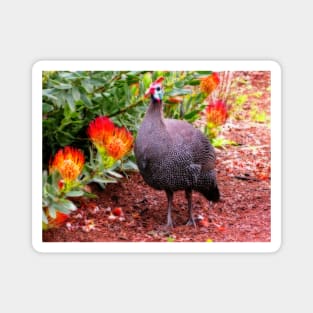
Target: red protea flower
110, 139
57, 221
216, 113
99, 130
69, 162
208, 84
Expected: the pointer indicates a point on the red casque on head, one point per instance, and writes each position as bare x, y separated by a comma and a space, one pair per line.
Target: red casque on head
153, 86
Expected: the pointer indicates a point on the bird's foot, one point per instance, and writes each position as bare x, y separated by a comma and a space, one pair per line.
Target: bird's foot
169, 223
191, 222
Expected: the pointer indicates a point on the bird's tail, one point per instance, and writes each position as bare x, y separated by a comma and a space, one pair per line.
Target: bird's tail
212, 193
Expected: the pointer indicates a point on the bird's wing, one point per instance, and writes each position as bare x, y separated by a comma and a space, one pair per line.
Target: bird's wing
190, 139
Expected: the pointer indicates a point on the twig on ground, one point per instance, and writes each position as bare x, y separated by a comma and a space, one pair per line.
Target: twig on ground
246, 178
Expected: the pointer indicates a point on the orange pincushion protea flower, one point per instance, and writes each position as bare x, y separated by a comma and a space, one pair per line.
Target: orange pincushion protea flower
208, 84
216, 113
110, 139
119, 143
69, 162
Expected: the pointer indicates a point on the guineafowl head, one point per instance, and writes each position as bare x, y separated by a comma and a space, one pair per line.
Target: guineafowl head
156, 90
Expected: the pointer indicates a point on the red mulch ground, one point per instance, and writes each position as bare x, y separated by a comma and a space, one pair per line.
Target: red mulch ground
243, 172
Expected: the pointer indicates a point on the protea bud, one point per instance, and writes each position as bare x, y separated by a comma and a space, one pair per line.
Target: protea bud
209, 83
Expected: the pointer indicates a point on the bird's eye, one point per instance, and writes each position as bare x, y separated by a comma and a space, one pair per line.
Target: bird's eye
158, 88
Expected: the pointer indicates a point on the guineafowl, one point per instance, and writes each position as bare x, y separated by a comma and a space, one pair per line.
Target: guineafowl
172, 155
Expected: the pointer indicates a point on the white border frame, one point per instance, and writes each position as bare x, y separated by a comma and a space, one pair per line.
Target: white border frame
171, 65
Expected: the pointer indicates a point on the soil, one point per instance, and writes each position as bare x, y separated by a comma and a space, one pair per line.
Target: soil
132, 211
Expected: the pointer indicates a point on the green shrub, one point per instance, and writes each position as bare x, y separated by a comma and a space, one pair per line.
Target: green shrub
70, 100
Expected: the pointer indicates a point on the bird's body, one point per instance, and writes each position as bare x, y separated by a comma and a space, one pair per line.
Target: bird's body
172, 155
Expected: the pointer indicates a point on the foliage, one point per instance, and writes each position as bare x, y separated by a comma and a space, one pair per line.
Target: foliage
68, 173
72, 99
62, 182
183, 98
54, 197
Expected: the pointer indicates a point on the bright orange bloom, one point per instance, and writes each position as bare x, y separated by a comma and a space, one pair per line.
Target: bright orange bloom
99, 130
216, 113
119, 143
69, 162
114, 141
208, 84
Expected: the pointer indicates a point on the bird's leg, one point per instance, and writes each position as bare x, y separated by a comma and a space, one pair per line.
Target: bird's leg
188, 193
169, 208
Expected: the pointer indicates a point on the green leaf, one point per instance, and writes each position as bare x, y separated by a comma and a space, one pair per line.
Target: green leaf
70, 101
46, 108
114, 174
206, 73
194, 82
87, 85
64, 138
75, 93
62, 86
132, 78
75, 193
59, 207
86, 100
64, 206
90, 195
52, 211
179, 92
202, 74
147, 80
192, 116
44, 217
69, 204
103, 180
130, 165
55, 177
47, 93
179, 84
